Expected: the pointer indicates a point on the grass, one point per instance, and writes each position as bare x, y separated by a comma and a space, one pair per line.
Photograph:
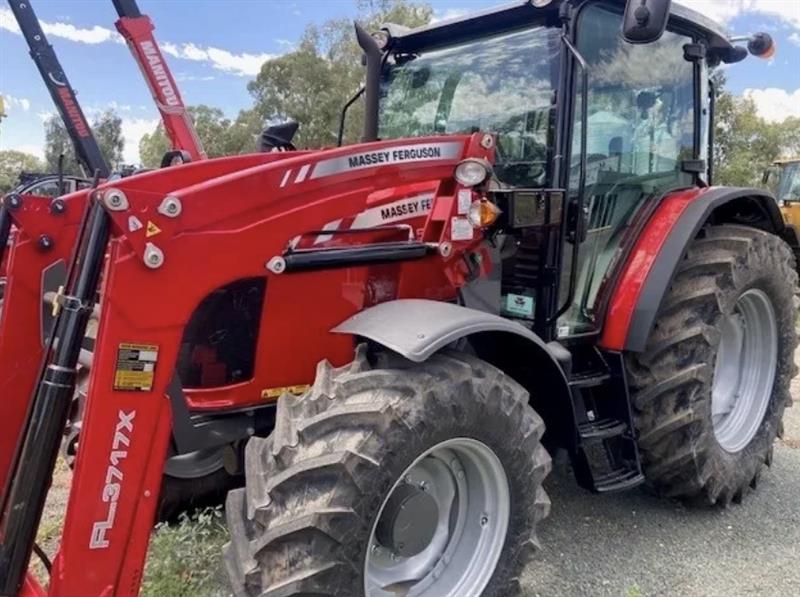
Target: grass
185, 558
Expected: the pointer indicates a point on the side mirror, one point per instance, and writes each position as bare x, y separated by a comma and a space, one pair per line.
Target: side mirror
175, 157
645, 20
278, 137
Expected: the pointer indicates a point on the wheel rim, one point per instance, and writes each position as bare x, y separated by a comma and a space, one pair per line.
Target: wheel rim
469, 486
195, 464
745, 370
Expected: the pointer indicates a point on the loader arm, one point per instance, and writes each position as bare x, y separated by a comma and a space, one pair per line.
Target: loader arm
137, 29
128, 423
60, 90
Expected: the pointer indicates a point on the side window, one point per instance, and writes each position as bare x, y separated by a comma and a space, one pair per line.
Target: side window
640, 128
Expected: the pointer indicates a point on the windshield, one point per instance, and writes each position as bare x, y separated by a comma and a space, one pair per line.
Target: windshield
789, 185
500, 84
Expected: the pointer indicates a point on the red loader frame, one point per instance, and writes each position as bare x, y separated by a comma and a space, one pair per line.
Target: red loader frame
126, 434
137, 29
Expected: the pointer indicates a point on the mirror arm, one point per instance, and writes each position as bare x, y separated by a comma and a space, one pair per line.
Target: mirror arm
349, 103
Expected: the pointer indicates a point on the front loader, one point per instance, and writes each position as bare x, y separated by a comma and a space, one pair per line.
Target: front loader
47, 229
526, 254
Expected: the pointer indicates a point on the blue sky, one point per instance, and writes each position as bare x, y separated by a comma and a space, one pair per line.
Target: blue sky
214, 47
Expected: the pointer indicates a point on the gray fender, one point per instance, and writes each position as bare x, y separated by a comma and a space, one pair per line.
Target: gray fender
417, 328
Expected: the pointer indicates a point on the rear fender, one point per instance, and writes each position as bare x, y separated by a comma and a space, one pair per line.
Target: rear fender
418, 328
639, 290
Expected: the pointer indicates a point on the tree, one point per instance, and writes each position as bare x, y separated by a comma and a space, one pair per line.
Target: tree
745, 144
312, 84
107, 129
219, 135
12, 163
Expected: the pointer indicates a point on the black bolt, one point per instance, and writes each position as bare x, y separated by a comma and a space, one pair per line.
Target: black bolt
13, 201
45, 242
58, 207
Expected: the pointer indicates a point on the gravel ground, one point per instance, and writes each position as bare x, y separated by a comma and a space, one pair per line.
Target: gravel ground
633, 544
625, 545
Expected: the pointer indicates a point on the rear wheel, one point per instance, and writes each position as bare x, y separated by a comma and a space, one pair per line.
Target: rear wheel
422, 481
710, 389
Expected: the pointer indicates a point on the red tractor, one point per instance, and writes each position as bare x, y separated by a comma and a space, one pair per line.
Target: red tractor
524, 255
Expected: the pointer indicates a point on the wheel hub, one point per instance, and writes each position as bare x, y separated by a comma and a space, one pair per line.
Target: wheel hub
744, 372
442, 527
408, 522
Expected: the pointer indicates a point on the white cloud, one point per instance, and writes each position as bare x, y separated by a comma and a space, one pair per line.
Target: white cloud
243, 64
133, 129
181, 77
13, 103
450, 13
95, 35
31, 148
775, 105
724, 11
45, 115
795, 38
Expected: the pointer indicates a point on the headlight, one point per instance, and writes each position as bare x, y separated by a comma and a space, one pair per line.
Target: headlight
472, 172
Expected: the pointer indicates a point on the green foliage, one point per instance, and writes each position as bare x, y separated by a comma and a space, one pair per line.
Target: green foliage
746, 144
107, 129
185, 558
312, 84
219, 135
13, 162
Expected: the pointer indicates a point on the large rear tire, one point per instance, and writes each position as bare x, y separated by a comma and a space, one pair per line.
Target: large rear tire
334, 496
710, 389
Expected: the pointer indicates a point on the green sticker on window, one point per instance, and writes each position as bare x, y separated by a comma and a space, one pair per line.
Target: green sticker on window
520, 305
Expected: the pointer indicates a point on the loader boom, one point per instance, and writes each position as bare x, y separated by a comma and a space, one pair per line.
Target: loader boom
60, 90
137, 29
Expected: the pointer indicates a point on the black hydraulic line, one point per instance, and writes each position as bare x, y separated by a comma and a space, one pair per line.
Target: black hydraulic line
391, 252
5, 229
45, 423
61, 91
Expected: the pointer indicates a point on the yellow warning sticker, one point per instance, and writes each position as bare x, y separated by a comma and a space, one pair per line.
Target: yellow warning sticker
136, 367
278, 392
152, 229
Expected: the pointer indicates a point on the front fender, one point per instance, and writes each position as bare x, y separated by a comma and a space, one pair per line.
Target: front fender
417, 328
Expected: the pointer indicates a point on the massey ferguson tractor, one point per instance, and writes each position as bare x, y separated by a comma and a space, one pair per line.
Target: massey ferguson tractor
524, 255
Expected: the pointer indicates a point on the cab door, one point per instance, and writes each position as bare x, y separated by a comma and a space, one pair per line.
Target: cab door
640, 131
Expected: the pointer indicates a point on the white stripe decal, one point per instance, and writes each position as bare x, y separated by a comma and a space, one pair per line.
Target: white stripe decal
323, 238
286, 178
301, 176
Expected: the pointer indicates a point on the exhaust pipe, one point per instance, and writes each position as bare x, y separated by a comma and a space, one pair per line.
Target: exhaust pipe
374, 58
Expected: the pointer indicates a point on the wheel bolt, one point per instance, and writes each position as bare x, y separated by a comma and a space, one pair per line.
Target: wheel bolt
375, 548
484, 520
423, 486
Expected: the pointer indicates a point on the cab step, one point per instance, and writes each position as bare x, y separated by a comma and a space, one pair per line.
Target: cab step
621, 479
602, 429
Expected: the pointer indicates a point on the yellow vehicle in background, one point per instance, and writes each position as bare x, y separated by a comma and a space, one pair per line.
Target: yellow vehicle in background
788, 188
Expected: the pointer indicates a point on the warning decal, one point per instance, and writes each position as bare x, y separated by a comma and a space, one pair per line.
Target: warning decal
136, 367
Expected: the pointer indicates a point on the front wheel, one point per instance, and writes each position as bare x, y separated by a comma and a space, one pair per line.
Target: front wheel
424, 480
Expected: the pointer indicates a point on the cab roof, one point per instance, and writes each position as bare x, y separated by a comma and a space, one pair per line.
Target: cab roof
514, 14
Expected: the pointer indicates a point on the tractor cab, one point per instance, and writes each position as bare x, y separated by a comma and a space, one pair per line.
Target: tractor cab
597, 115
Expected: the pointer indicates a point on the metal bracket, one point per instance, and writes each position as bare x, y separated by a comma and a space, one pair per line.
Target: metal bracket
191, 433
68, 303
